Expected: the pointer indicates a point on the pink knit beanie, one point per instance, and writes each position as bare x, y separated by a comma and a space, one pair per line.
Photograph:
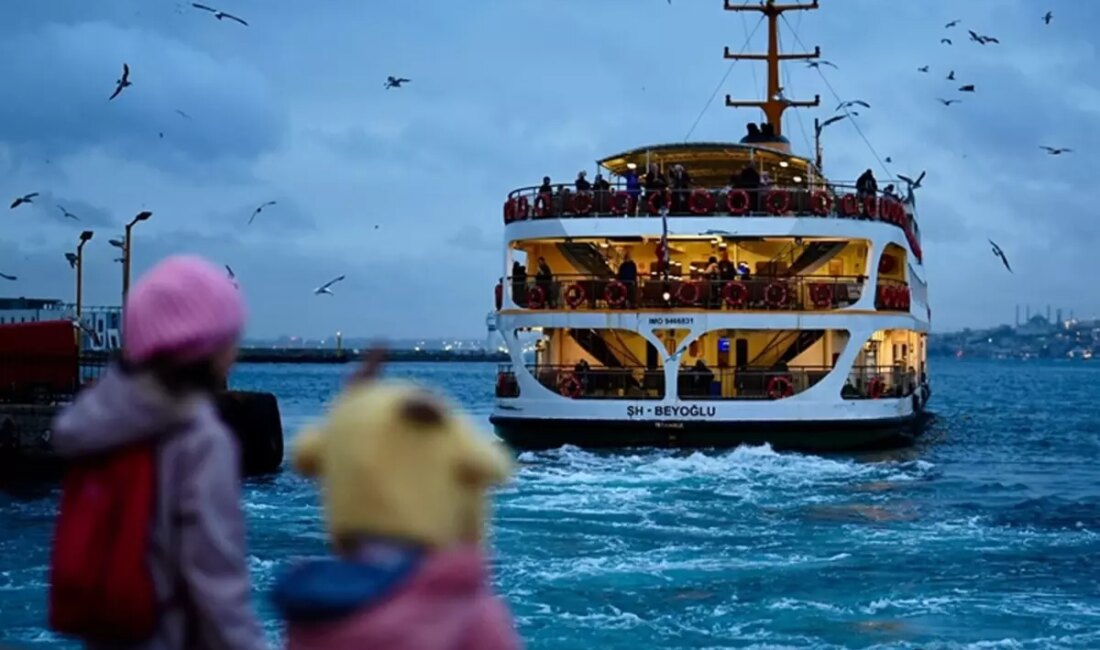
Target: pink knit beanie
184, 308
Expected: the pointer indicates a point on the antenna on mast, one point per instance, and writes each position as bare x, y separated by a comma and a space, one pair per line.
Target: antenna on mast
775, 103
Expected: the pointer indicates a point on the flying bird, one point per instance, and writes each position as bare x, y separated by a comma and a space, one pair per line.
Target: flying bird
1047, 17
326, 288
952, 24
1001, 254
8, 277
26, 198
945, 40
124, 82
913, 184
117, 243
951, 76
67, 214
395, 82
258, 210
854, 102
818, 64
980, 39
72, 259
218, 14
831, 120
923, 68
1055, 151
948, 102
182, 114
888, 159
968, 88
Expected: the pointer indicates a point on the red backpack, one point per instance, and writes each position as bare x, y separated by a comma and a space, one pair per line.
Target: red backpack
100, 584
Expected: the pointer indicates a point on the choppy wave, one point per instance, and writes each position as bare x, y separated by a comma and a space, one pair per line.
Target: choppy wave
983, 537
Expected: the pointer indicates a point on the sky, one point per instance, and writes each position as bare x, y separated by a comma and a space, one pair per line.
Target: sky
401, 190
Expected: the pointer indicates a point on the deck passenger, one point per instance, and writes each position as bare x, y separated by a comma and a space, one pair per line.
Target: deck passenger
726, 270
546, 188
711, 274
601, 184
582, 183
633, 185
655, 183
544, 279
519, 284
681, 185
628, 275
866, 184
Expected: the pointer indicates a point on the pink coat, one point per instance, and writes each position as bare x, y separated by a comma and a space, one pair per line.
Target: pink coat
444, 603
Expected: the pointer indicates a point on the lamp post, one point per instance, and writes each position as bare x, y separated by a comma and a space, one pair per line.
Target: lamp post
85, 237
127, 251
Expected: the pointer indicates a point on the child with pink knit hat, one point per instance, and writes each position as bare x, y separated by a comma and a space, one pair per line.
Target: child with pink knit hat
181, 327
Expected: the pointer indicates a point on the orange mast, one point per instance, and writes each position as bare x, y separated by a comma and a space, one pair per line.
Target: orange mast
775, 103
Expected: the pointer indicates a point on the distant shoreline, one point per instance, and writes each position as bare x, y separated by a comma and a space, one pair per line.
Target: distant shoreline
331, 356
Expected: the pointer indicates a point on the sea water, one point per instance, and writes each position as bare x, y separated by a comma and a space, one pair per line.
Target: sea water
984, 535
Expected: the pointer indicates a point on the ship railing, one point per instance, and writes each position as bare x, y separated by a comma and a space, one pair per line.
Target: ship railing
756, 293
601, 382
836, 200
695, 383
46, 378
773, 383
893, 295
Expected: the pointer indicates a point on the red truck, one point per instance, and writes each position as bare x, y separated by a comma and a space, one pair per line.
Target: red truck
39, 361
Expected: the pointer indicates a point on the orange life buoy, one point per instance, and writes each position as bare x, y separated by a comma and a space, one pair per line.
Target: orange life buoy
581, 203
777, 295
849, 205
687, 293
876, 387
701, 202
536, 297
523, 208
887, 264
821, 203
570, 386
651, 201
621, 203
778, 202
870, 207
780, 386
735, 294
821, 295
575, 295
543, 205
615, 293
737, 202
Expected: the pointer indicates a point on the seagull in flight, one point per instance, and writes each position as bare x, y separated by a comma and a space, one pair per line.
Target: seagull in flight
888, 160
67, 214
952, 24
854, 102
26, 198
1047, 17
913, 184
951, 76
818, 64
1001, 254
1055, 151
968, 88
122, 83
218, 14
831, 120
945, 40
395, 82
117, 243
980, 39
230, 273
258, 210
326, 288
948, 102
923, 68
182, 114
72, 259
11, 278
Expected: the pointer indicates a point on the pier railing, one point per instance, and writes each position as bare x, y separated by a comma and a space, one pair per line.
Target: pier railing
784, 293
692, 383
42, 378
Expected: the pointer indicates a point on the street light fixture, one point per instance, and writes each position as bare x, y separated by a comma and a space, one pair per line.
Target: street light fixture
85, 237
127, 251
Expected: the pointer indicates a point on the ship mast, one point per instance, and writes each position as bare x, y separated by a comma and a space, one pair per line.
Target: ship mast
776, 102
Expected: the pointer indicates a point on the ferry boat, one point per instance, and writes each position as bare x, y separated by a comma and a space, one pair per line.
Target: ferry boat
756, 302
